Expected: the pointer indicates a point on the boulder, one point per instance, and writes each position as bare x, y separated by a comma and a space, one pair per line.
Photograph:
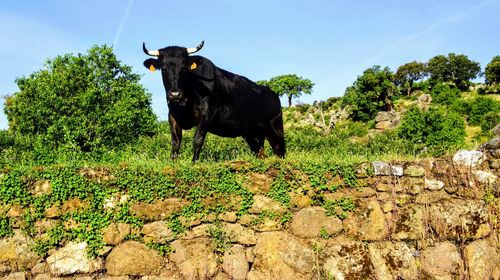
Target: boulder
195, 258
481, 259
309, 222
71, 259
16, 254
409, 223
368, 222
263, 203
468, 158
157, 232
459, 219
133, 258
235, 263
393, 260
114, 234
441, 261
279, 255
342, 258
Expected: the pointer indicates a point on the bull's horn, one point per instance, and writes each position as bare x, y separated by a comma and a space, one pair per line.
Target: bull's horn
151, 53
193, 50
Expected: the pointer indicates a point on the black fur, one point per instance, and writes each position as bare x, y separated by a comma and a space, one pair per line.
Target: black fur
217, 101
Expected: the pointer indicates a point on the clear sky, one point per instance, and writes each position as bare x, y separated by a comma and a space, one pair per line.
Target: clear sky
330, 42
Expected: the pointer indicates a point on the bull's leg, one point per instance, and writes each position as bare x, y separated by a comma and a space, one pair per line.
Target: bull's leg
198, 140
176, 135
276, 136
256, 144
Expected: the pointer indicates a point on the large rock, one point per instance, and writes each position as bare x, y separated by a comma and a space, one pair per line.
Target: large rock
385, 169
409, 223
368, 223
393, 261
114, 234
263, 203
441, 261
157, 232
195, 258
235, 263
279, 255
240, 234
16, 254
309, 222
468, 158
71, 259
343, 258
133, 258
481, 259
459, 219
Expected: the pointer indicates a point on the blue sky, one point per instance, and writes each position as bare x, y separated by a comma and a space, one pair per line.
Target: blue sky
329, 42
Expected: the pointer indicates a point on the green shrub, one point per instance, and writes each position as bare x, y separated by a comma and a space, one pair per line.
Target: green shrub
83, 102
435, 129
489, 121
481, 106
444, 94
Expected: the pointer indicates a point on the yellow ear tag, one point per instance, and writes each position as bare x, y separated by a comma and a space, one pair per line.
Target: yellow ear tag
193, 66
152, 68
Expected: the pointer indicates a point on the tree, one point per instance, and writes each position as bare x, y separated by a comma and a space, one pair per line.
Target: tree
371, 92
457, 69
492, 71
87, 101
409, 73
289, 85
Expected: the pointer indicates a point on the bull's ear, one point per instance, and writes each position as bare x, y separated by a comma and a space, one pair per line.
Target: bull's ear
194, 62
152, 64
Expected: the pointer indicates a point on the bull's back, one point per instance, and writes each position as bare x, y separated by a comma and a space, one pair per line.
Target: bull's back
243, 107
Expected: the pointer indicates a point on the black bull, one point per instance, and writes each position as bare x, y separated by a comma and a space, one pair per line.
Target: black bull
217, 101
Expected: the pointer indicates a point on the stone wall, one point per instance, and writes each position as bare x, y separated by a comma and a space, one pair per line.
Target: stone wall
429, 219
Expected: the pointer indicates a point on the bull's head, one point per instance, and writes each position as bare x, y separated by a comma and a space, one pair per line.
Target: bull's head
175, 65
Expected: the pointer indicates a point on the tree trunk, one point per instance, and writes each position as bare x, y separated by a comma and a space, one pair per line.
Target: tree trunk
290, 101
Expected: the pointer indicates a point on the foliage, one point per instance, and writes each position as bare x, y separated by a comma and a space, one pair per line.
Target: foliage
457, 69
434, 129
5, 227
289, 85
492, 71
83, 102
480, 107
407, 74
220, 239
371, 92
444, 94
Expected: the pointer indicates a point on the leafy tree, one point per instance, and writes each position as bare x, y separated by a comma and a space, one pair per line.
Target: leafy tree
436, 129
289, 85
87, 100
409, 73
371, 92
457, 69
492, 71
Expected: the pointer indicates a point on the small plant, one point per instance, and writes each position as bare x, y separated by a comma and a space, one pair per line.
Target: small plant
5, 227
324, 233
220, 239
163, 249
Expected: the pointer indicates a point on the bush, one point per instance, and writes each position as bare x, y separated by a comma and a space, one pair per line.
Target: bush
444, 94
435, 129
489, 121
481, 106
83, 102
